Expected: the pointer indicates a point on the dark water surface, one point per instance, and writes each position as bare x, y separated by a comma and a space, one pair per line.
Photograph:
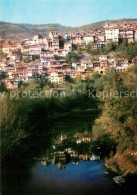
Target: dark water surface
87, 177
37, 168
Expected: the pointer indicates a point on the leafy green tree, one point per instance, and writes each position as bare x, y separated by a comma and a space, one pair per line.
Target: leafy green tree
35, 57
73, 57
110, 47
74, 47
69, 79
2, 86
134, 69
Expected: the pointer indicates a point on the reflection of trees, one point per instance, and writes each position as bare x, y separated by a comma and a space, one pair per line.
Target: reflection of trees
45, 119
16, 168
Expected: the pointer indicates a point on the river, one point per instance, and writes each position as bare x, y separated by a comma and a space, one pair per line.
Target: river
59, 163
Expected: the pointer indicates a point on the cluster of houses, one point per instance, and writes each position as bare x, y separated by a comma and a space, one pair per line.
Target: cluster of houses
61, 157
125, 33
45, 57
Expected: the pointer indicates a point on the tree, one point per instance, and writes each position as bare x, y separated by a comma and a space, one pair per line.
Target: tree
73, 57
110, 47
74, 47
61, 42
2, 86
35, 57
69, 79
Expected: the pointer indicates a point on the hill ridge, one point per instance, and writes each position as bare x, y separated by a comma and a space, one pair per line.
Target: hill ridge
11, 30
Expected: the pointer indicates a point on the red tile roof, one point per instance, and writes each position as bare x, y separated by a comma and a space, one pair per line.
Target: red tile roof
67, 43
53, 60
54, 32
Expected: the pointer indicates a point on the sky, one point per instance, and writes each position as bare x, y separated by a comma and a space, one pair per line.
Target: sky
66, 12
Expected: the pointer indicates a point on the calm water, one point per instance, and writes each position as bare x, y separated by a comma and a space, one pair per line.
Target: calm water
60, 177
87, 177
54, 164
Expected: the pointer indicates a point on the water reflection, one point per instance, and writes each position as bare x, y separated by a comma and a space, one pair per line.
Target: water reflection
70, 167
59, 162
83, 178
66, 149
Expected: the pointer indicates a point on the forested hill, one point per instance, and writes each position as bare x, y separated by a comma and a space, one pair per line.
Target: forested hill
11, 30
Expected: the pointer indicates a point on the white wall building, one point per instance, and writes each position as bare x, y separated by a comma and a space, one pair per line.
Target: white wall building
88, 39
112, 34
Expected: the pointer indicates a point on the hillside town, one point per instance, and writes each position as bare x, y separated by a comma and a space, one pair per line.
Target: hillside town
46, 57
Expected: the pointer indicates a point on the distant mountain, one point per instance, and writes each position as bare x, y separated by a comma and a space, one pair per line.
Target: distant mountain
10, 30
26, 30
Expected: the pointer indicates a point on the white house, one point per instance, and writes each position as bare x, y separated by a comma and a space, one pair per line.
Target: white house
112, 34
67, 46
88, 39
94, 157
